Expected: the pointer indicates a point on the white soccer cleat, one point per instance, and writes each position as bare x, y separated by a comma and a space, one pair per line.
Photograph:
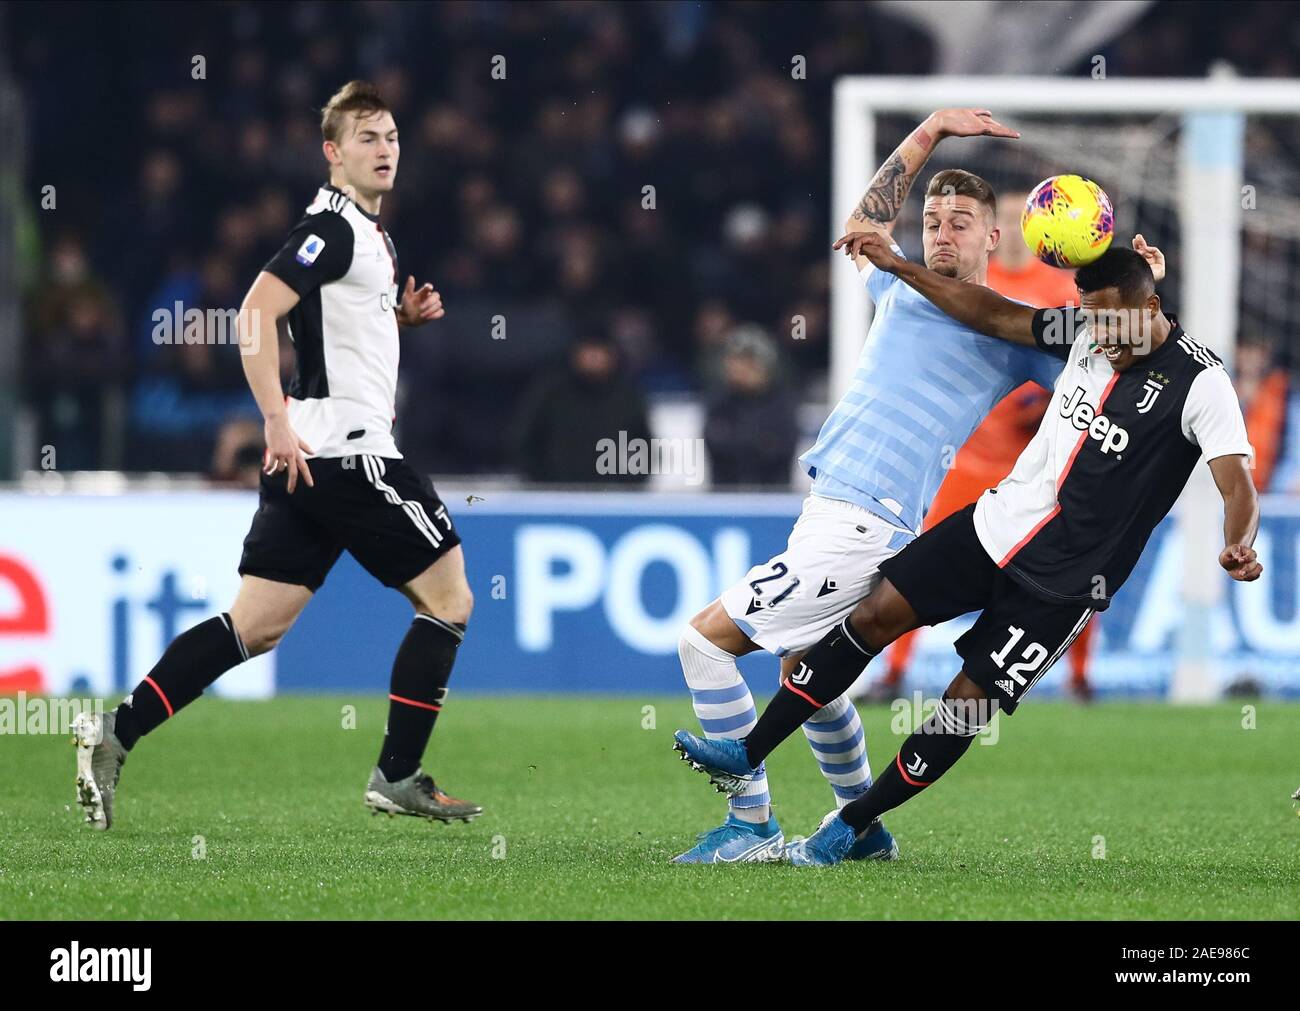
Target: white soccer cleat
100, 757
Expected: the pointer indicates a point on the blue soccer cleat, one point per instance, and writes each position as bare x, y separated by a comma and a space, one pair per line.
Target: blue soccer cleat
874, 843
723, 761
829, 845
736, 842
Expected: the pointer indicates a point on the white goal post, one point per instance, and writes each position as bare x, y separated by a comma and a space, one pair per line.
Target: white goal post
1210, 114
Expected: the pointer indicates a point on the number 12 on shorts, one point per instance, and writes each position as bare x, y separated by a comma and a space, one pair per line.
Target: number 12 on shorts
1033, 655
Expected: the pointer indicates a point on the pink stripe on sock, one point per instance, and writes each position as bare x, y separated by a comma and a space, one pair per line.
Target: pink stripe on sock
412, 702
154, 685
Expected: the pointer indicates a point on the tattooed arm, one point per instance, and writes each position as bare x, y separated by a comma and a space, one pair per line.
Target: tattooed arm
879, 207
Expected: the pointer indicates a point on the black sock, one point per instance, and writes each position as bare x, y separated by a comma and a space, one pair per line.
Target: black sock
419, 686
193, 661
827, 671
931, 751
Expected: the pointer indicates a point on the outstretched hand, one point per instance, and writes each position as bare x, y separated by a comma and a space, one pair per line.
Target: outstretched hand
971, 123
419, 306
875, 246
1155, 259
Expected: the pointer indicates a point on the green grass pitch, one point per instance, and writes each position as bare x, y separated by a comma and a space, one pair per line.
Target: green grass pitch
585, 806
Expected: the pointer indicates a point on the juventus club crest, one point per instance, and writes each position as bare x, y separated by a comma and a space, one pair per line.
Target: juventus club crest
1150, 390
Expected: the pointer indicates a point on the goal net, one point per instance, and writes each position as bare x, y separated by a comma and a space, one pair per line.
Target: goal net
1208, 170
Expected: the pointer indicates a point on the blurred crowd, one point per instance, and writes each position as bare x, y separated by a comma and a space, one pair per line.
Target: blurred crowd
638, 192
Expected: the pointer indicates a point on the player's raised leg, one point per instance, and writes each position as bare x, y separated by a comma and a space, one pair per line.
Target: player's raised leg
939, 575
823, 675
708, 650
1013, 643
1015, 625
262, 612
827, 669
418, 690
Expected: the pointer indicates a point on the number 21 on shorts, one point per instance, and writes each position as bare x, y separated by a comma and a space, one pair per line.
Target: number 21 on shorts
779, 569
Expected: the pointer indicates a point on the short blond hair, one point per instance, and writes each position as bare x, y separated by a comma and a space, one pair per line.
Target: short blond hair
360, 97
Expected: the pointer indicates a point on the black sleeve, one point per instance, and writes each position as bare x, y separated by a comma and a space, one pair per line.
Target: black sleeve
1056, 330
317, 251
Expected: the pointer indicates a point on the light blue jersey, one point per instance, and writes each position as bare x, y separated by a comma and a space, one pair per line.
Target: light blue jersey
923, 383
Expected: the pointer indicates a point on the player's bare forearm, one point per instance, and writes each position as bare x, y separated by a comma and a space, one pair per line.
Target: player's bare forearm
973, 305
259, 343
268, 301
259, 353
887, 192
1240, 517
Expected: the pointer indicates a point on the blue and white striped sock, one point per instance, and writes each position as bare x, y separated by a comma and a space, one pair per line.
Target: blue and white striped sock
725, 709
840, 746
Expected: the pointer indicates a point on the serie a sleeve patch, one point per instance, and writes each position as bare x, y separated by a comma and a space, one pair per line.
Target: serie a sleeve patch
309, 250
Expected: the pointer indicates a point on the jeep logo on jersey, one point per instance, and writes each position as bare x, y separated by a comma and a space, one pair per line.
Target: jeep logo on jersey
309, 250
1113, 438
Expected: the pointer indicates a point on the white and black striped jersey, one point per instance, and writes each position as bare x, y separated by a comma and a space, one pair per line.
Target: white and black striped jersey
1110, 458
343, 266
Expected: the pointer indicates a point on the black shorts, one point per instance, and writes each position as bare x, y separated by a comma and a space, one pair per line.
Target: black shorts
946, 572
385, 514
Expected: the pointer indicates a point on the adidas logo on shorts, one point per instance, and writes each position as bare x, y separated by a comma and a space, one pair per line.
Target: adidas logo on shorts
1007, 685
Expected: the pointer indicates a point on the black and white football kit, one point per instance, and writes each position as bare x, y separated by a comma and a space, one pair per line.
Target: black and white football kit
1049, 546
366, 498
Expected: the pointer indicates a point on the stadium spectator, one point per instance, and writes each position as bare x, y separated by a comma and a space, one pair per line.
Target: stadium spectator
565, 415
750, 429
76, 364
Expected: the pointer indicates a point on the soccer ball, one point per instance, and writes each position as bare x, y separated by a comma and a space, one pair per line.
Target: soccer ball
1067, 221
